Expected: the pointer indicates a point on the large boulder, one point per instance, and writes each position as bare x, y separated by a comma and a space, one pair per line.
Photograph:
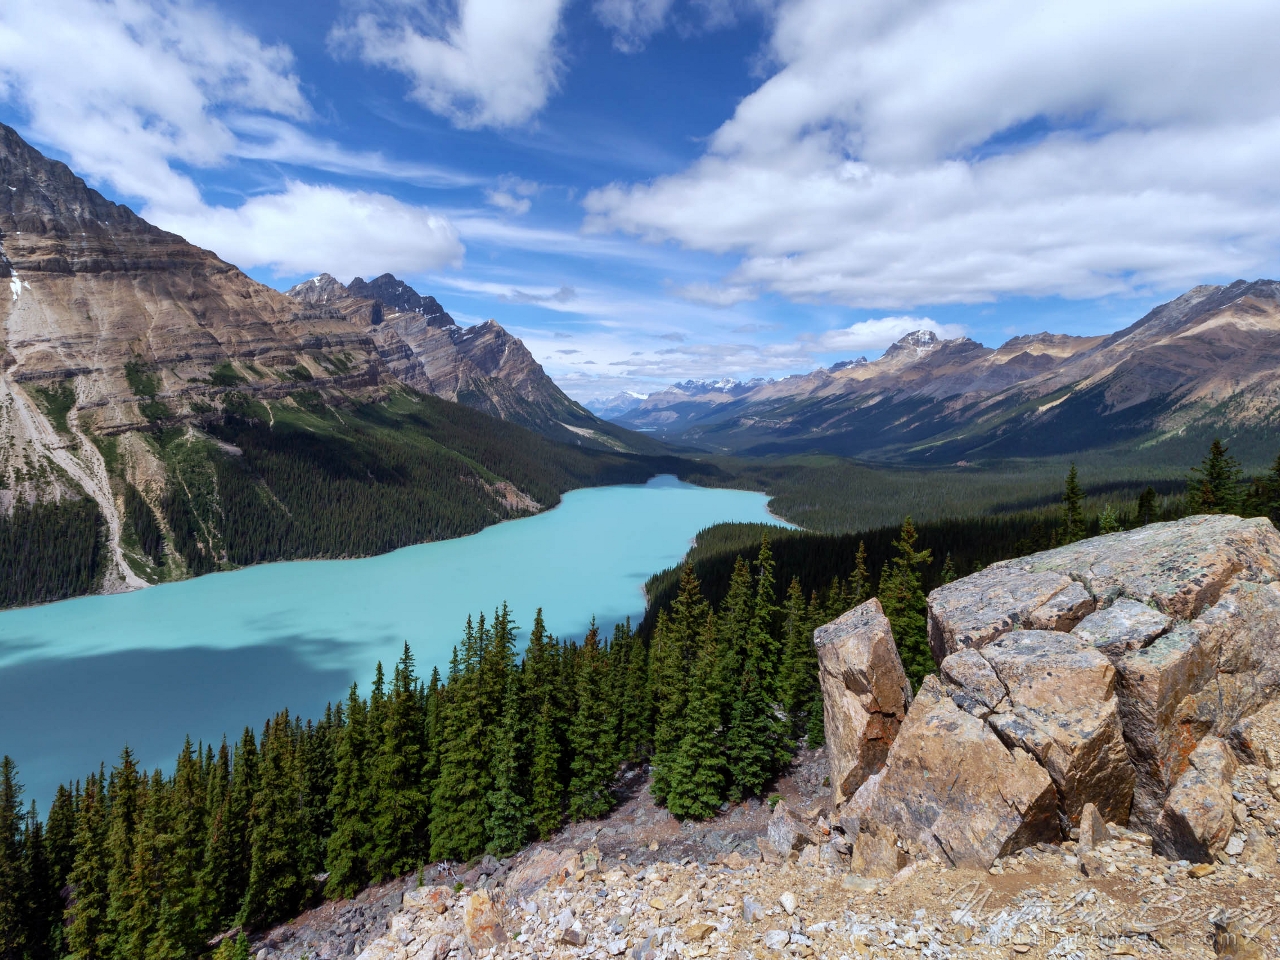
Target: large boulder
1179, 568
1188, 614
950, 786
1112, 670
865, 694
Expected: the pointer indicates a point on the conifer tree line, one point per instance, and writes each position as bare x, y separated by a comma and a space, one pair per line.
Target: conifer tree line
501, 750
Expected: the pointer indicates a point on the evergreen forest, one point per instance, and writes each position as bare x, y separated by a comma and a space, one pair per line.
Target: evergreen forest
311, 481
715, 696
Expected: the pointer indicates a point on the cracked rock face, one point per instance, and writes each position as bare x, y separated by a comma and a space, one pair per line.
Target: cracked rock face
865, 694
1119, 670
951, 787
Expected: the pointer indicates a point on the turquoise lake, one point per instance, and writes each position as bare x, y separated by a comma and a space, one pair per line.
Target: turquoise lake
80, 678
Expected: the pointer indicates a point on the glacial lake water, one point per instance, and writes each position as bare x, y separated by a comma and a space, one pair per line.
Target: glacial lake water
80, 678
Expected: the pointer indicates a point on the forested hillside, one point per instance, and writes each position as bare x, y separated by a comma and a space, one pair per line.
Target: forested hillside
288, 480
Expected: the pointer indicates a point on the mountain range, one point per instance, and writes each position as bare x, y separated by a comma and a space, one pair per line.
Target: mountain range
213, 420
1207, 362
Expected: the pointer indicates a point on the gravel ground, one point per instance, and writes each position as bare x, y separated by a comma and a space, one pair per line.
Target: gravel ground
639, 885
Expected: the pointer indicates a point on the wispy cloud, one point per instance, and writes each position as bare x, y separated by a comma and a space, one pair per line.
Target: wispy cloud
160, 88
480, 63
960, 151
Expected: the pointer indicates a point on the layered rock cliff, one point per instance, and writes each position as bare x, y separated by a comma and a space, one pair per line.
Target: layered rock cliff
123, 348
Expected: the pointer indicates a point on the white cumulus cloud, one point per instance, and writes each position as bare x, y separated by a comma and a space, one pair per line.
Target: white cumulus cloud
480, 63
962, 150
322, 228
132, 90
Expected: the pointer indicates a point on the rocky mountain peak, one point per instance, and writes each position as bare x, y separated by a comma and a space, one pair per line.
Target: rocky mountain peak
915, 344
846, 364
44, 196
399, 297
319, 290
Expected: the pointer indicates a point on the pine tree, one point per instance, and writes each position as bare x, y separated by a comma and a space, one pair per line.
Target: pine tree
401, 798
1147, 506
762, 639
459, 807
277, 885
697, 775
544, 774
591, 737
218, 897
86, 933
948, 574
42, 900
801, 692
350, 845
1267, 497
1108, 521
1214, 486
13, 887
1072, 508
670, 656
902, 597
245, 778
754, 743
179, 932
122, 822
317, 770
859, 588
59, 843
144, 889
753, 747
509, 822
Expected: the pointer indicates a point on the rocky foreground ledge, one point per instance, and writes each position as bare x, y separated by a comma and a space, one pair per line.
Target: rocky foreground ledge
1095, 772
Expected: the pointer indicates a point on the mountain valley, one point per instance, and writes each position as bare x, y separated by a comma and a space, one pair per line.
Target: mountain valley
1202, 364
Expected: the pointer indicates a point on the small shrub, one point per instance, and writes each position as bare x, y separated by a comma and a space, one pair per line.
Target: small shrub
142, 381
224, 375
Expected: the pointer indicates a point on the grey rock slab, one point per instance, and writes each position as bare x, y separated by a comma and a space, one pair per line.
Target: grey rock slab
974, 675
978, 609
1125, 625
1065, 714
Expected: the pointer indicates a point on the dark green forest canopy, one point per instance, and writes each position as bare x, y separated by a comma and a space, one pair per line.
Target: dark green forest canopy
309, 483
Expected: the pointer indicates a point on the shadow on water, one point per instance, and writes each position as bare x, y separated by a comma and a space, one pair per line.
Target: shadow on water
60, 718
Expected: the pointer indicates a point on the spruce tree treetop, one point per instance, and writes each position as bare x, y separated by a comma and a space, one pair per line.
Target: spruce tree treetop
902, 597
1215, 485
1072, 508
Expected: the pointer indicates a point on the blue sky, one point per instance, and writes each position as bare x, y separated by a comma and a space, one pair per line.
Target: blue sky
648, 190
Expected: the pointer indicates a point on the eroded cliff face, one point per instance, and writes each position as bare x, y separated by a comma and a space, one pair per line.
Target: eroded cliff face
483, 366
1119, 675
94, 291
123, 347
